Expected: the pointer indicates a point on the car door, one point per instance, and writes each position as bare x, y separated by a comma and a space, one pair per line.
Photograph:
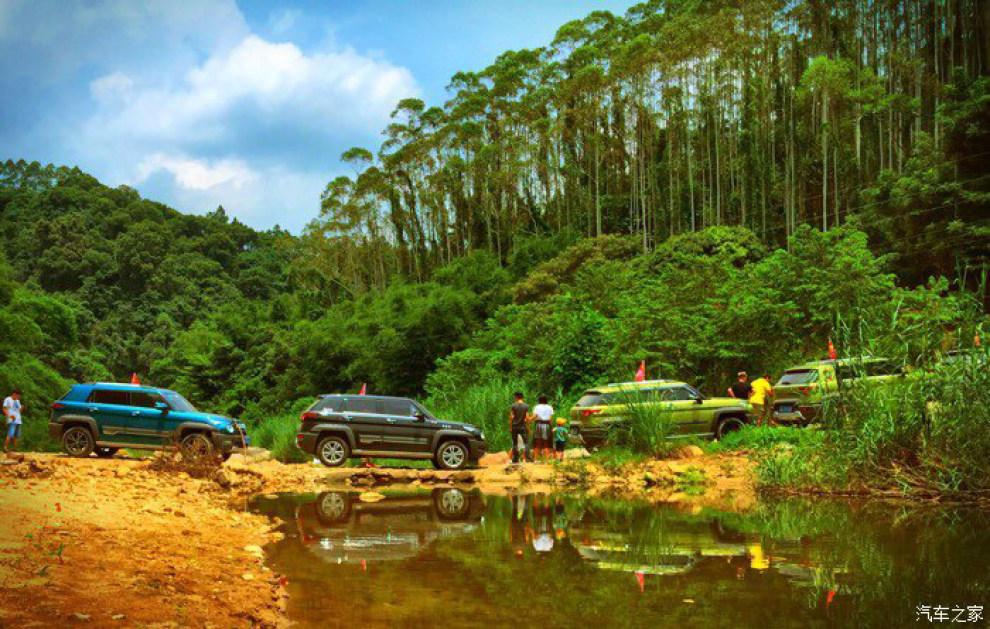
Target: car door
363, 415
403, 431
685, 412
109, 407
146, 423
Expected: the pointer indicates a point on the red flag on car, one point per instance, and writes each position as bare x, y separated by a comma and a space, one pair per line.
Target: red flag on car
364, 387
976, 340
831, 351
134, 379
641, 372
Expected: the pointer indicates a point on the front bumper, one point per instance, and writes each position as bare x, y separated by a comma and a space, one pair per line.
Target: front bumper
476, 448
226, 443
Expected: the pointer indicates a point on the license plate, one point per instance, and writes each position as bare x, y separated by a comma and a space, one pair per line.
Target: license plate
785, 409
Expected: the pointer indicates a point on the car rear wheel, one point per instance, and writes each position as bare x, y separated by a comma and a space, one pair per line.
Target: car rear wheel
196, 446
452, 455
452, 503
105, 453
78, 441
728, 425
332, 451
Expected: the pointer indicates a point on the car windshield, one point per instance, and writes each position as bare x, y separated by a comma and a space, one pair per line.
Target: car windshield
798, 376
178, 403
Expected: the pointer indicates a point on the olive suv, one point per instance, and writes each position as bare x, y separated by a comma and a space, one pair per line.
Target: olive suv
691, 414
337, 427
801, 391
104, 417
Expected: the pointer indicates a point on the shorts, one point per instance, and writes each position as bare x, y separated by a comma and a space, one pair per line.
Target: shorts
559, 446
541, 443
14, 431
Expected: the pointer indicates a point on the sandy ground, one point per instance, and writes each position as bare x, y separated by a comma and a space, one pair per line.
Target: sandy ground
119, 543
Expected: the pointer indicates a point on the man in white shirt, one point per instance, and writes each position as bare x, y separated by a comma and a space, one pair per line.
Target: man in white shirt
12, 411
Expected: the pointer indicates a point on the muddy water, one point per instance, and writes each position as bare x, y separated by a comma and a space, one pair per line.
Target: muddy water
457, 558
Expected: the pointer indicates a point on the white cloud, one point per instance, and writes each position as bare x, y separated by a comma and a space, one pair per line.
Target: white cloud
193, 174
256, 85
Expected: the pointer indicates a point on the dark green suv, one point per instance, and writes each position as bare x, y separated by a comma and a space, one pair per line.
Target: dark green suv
337, 427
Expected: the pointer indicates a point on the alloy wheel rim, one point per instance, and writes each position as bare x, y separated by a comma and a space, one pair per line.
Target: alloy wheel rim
453, 456
332, 505
452, 501
333, 451
196, 446
75, 442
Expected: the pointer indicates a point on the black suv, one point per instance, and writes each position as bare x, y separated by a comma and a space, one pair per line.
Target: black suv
336, 427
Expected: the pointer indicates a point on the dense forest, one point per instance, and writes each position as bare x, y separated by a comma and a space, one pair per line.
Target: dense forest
706, 186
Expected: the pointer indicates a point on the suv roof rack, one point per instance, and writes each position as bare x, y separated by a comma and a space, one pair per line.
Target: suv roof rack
122, 384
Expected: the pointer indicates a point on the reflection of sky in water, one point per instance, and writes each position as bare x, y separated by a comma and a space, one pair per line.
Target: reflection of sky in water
419, 558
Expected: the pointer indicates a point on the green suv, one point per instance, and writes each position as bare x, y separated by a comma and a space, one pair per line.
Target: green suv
801, 391
607, 408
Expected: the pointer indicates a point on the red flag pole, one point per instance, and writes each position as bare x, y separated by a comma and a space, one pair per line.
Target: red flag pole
364, 388
641, 372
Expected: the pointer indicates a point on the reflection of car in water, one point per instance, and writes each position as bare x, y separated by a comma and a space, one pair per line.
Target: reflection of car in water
675, 548
339, 528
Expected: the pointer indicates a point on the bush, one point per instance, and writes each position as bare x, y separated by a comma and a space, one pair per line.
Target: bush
485, 405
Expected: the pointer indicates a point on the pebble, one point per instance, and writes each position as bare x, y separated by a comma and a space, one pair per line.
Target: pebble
247, 576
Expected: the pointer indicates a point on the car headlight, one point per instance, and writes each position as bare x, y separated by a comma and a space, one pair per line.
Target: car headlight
481, 436
230, 428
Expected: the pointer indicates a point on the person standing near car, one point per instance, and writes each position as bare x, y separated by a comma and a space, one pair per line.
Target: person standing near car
741, 389
12, 411
542, 429
519, 418
760, 398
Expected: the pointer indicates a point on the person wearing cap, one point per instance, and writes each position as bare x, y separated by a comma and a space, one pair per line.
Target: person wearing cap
741, 389
560, 438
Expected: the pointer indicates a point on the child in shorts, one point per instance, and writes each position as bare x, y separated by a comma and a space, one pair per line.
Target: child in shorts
560, 438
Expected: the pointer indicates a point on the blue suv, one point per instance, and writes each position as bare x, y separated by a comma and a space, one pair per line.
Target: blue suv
104, 417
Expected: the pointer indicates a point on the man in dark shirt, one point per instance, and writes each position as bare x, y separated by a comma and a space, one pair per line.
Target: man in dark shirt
519, 427
741, 389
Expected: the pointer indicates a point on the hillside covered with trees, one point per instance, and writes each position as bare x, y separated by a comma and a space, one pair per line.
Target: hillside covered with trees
706, 186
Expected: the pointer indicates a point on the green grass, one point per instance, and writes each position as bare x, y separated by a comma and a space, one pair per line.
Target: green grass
485, 405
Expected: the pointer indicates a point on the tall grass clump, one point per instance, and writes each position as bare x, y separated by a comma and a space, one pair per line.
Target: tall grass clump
278, 433
485, 405
646, 424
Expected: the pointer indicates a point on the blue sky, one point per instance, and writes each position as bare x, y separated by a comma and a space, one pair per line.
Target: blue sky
248, 104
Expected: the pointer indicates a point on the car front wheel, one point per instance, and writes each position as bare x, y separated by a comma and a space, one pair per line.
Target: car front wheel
726, 426
452, 455
196, 446
332, 451
78, 441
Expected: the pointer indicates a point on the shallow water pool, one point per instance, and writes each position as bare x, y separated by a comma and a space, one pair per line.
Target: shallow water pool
457, 558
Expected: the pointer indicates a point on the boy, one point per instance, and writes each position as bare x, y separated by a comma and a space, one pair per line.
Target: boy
12, 411
560, 438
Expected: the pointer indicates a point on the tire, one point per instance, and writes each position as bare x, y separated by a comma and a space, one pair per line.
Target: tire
594, 444
196, 445
451, 455
225, 456
452, 504
78, 441
727, 425
105, 453
333, 507
332, 451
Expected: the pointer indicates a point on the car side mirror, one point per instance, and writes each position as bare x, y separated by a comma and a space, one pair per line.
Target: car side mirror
699, 400
162, 406
420, 417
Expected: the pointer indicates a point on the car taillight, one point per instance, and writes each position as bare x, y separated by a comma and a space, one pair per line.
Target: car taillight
591, 411
57, 405
306, 416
